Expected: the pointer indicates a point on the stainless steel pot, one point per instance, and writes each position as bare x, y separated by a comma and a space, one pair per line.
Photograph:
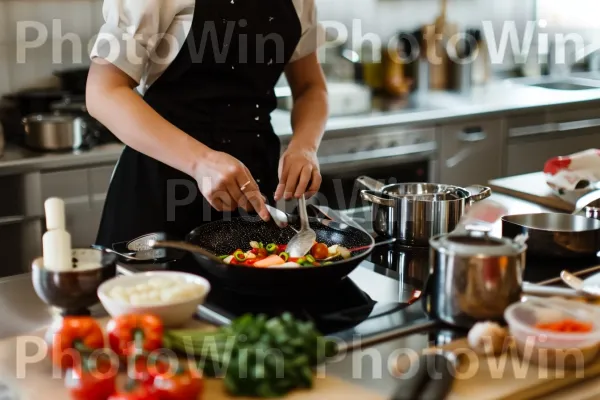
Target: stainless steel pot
50, 132
474, 277
415, 212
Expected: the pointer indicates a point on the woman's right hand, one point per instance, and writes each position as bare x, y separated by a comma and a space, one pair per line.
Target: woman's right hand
227, 184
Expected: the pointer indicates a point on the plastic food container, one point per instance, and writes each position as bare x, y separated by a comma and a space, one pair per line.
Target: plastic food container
561, 350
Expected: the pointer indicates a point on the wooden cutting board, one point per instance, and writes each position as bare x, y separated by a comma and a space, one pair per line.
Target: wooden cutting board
485, 378
531, 187
34, 380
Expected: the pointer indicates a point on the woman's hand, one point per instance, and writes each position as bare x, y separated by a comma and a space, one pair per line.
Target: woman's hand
227, 184
298, 172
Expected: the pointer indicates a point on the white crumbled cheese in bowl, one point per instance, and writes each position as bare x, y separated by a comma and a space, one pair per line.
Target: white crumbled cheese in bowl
157, 291
172, 296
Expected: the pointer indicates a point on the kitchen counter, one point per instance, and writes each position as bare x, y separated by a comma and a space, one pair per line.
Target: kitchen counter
22, 312
433, 108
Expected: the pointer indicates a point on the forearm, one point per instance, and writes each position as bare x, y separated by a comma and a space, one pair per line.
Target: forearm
137, 125
309, 117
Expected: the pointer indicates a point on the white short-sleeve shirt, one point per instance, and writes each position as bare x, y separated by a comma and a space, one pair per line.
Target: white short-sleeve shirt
142, 37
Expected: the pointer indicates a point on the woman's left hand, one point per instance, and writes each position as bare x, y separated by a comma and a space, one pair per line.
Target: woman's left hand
298, 172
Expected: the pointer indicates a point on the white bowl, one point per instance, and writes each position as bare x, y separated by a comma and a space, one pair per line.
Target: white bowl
172, 314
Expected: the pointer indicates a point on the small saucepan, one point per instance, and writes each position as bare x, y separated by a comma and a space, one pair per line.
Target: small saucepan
414, 212
553, 235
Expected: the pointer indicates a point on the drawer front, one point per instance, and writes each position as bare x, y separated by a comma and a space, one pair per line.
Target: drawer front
20, 244
65, 184
99, 179
530, 156
471, 153
20, 196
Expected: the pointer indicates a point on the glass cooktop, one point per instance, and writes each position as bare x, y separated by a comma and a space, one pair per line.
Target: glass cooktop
382, 298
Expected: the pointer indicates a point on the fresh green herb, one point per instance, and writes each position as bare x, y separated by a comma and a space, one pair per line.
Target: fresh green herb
257, 356
223, 257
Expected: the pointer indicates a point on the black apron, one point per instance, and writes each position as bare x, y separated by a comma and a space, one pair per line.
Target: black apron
223, 97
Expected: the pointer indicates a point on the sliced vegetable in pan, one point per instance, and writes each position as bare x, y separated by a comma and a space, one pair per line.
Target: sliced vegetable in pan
275, 255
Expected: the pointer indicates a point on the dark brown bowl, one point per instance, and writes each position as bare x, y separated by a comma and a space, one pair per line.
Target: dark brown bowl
74, 291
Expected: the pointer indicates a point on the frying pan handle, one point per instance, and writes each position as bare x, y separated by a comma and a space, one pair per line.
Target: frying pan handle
479, 192
185, 247
370, 183
374, 197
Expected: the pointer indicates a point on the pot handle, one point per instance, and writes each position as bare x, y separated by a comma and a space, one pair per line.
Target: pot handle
191, 248
370, 183
478, 192
374, 197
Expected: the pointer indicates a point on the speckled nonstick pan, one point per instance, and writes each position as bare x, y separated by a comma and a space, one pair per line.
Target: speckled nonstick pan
224, 237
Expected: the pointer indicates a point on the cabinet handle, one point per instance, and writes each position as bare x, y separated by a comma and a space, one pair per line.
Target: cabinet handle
17, 219
472, 135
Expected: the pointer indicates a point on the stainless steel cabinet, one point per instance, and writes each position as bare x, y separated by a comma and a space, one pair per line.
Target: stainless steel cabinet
471, 152
533, 139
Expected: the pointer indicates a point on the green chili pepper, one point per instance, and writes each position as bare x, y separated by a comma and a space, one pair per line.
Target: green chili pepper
327, 263
223, 257
272, 248
284, 256
261, 245
301, 261
239, 255
310, 258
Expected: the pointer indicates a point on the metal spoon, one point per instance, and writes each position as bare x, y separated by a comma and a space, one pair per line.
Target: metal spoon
579, 285
301, 243
279, 217
125, 256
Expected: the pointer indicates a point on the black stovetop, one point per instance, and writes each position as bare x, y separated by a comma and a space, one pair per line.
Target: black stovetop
379, 299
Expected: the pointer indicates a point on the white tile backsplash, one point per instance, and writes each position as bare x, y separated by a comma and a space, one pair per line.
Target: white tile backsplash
84, 18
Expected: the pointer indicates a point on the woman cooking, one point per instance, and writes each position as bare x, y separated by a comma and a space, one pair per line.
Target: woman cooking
204, 71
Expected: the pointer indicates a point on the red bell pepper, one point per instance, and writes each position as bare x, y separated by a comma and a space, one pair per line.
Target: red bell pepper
135, 390
144, 369
181, 385
135, 334
72, 339
91, 382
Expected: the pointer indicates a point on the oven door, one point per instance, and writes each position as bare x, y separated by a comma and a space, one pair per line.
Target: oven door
410, 163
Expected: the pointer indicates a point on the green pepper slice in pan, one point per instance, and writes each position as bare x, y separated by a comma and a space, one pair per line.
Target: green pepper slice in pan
239, 255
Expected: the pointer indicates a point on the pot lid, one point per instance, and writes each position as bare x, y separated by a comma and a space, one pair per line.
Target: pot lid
475, 240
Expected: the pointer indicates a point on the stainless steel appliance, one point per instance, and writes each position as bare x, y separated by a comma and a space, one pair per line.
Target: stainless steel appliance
415, 212
49, 132
391, 154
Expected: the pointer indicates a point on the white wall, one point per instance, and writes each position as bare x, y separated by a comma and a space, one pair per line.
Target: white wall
84, 17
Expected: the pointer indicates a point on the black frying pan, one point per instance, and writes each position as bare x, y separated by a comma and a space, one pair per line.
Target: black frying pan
224, 237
